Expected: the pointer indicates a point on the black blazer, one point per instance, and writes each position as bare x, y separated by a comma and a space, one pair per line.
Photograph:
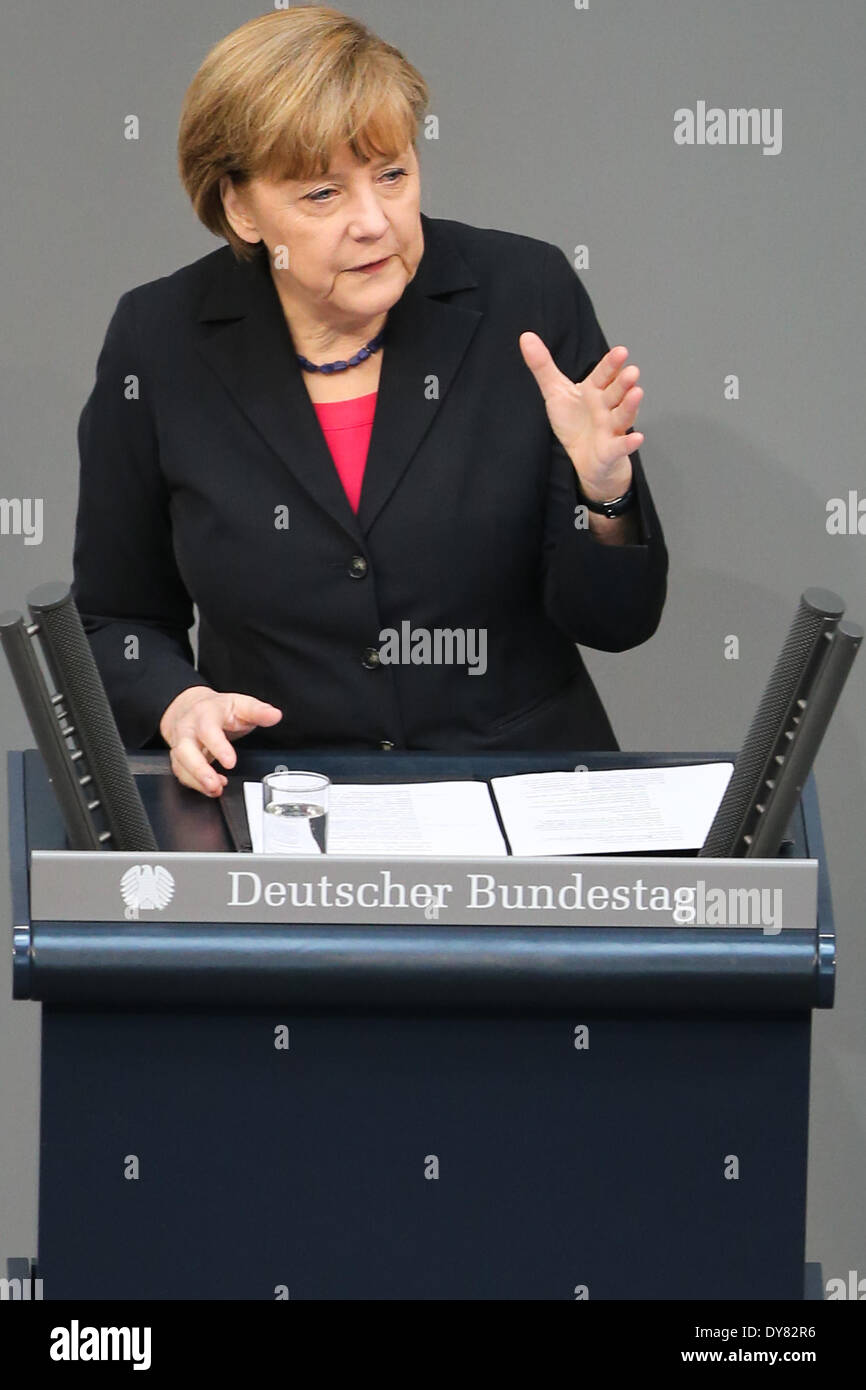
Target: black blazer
466, 517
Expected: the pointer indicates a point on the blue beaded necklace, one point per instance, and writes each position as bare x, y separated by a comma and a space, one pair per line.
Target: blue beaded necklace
360, 356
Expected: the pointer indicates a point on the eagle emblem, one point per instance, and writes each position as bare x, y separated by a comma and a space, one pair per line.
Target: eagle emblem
146, 886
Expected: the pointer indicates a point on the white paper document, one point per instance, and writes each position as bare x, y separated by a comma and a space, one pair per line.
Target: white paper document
406, 818
625, 810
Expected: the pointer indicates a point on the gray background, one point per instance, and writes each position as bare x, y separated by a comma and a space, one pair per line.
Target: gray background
703, 260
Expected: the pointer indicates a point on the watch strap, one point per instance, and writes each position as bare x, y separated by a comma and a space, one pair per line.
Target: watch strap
612, 508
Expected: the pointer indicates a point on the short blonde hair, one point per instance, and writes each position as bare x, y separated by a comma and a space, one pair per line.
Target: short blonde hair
276, 97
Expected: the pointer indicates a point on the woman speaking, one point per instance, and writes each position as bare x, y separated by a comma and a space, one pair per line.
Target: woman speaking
389, 458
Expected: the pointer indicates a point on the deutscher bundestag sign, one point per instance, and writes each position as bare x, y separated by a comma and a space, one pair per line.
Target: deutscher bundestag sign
90, 886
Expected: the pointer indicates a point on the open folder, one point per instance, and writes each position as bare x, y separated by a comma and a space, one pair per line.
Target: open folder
617, 811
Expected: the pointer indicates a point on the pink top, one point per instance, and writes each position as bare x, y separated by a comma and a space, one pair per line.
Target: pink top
347, 426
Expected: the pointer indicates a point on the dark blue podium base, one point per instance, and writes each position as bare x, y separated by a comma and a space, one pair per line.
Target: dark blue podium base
311, 1168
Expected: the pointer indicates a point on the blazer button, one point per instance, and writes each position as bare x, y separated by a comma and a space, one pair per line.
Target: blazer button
357, 567
386, 744
370, 658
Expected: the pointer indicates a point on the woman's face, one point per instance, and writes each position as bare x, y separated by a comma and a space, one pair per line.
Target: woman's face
329, 226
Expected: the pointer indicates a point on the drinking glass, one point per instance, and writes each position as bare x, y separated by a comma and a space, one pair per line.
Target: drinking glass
295, 812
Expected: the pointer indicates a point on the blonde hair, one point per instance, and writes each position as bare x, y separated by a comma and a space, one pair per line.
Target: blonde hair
276, 97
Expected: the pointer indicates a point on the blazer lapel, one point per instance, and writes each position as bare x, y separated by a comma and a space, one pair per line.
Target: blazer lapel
245, 338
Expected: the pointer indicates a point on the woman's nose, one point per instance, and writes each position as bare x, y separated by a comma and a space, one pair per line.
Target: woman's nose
366, 215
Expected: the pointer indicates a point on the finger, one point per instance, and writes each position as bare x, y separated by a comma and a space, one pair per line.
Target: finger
208, 730
248, 710
626, 413
627, 443
607, 368
192, 767
539, 361
620, 385
212, 785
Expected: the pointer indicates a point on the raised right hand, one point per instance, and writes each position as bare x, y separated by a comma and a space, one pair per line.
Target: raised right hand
197, 726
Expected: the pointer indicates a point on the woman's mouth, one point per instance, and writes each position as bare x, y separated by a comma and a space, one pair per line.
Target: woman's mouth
372, 267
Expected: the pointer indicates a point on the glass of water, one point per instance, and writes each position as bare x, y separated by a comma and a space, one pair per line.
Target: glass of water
295, 819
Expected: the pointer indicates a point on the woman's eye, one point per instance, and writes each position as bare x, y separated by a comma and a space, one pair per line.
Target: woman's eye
322, 194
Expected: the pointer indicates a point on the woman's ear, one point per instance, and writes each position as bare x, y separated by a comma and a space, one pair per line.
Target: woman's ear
237, 214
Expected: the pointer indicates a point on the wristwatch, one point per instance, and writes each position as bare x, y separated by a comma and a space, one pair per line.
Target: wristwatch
615, 507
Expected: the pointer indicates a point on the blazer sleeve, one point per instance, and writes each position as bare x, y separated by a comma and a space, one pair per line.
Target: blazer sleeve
605, 596
133, 604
